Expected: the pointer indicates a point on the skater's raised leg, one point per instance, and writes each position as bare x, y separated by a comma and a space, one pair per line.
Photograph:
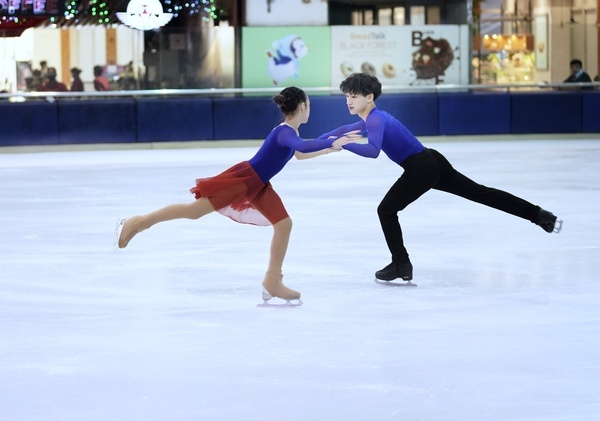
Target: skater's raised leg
136, 224
463, 186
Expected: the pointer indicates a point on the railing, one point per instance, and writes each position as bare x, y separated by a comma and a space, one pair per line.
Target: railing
219, 92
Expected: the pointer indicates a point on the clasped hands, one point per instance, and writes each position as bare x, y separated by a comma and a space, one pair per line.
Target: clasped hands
349, 137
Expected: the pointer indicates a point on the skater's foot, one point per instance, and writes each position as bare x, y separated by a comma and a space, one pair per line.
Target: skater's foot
547, 220
129, 228
395, 270
273, 284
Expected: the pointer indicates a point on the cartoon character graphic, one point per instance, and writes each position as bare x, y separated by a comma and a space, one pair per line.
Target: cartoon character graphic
285, 61
144, 15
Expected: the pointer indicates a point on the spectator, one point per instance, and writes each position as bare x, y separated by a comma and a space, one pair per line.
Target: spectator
29, 84
127, 77
76, 83
52, 85
100, 81
44, 71
577, 74
35, 82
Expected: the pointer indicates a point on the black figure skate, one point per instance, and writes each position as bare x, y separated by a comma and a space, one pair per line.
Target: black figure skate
548, 221
393, 271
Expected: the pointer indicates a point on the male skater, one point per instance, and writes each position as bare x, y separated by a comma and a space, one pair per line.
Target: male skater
424, 169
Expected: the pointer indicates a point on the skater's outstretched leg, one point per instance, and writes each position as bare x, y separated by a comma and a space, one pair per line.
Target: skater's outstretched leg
136, 224
454, 182
273, 282
463, 186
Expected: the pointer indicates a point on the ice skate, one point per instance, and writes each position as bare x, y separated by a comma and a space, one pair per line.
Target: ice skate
126, 229
548, 221
118, 229
393, 271
274, 287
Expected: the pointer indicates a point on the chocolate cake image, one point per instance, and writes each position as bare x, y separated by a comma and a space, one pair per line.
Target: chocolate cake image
432, 58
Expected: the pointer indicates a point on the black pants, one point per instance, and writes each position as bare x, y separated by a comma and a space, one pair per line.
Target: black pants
431, 170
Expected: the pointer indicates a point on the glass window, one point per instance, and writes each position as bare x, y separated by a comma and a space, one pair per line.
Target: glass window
433, 15
384, 16
399, 16
417, 15
369, 17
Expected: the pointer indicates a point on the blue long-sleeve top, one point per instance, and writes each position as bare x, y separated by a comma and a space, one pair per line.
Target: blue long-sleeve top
279, 147
385, 133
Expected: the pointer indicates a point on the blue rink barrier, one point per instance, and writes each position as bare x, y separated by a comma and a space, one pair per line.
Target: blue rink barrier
243, 117
28, 123
174, 119
94, 121
161, 119
420, 113
474, 113
547, 112
326, 114
591, 112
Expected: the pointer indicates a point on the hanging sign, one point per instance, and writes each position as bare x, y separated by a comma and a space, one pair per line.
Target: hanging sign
144, 15
31, 7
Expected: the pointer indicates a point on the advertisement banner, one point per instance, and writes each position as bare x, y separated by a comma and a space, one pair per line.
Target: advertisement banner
285, 56
401, 55
323, 56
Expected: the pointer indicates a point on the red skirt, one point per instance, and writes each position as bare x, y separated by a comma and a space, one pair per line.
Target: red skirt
240, 194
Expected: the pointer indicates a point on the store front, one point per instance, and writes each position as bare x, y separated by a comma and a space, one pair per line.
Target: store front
504, 59
524, 42
202, 44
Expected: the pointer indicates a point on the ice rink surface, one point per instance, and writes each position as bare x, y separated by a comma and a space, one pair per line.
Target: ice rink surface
504, 323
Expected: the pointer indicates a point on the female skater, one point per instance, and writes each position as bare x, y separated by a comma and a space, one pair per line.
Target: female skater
244, 192
424, 169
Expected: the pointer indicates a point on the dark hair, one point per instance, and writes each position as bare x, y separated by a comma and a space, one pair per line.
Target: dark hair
361, 84
289, 99
576, 62
98, 70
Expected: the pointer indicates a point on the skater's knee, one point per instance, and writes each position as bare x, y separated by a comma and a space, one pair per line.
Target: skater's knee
199, 208
287, 223
385, 209
195, 214
284, 225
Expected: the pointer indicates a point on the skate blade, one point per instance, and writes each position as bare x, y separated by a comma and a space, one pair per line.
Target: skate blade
288, 303
118, 229
293, 302
395, 284
558, 226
